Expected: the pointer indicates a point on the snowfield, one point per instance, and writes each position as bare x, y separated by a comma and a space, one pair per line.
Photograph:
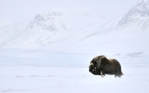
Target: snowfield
34, 79
23, 71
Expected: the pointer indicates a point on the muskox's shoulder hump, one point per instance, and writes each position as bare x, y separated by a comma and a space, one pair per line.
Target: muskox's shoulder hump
99, 57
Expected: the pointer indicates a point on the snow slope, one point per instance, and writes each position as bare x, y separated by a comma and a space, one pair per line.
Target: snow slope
59, 24
137, 16
52, 26
127, 34
9, 29
82, 30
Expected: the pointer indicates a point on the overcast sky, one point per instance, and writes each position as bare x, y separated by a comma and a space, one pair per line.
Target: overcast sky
27, 9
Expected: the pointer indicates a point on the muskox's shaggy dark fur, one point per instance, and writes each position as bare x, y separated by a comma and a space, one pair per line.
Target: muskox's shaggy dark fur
100, 65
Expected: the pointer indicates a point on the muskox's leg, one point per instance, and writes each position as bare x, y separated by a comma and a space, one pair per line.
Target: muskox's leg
102, 74
119, 72
116, 71
116, 75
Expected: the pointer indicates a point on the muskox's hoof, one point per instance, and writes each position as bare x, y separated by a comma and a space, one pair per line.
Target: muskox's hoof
102, 76
118, 76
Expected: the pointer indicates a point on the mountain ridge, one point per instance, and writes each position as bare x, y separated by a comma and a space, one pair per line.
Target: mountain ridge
68, 29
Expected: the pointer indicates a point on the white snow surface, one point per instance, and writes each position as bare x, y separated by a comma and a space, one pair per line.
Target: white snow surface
52, 71
33, 79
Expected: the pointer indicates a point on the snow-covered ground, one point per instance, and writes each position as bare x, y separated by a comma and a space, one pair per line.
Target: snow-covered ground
34, 79
38, 71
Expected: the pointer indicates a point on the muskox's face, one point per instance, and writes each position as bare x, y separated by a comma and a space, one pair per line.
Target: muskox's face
92, 68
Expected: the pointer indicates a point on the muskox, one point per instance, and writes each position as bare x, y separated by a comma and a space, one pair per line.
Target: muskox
100, 65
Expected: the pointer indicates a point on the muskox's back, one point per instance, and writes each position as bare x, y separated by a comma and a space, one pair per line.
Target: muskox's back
114, 67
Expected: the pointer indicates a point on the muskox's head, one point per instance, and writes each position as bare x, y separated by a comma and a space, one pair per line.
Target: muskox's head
92, 68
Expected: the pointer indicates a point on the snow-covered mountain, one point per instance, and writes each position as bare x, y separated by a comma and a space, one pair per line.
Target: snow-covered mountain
54, 26
10, 29
120, 35
138, 15
81, 30
74, 19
